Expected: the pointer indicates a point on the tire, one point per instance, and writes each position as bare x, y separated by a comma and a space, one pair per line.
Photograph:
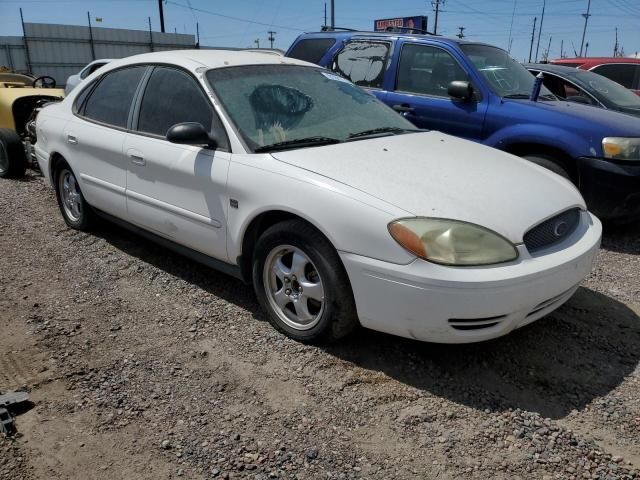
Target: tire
75, 210
549, 163
13, 159
317, 309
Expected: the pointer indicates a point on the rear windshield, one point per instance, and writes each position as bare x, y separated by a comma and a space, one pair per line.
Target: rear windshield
311, 49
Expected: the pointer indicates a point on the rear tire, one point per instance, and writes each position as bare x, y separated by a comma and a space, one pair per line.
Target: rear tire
13, 160
549, 163
302, 285
75, 210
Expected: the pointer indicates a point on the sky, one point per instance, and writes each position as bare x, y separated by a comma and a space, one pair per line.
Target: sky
239, 23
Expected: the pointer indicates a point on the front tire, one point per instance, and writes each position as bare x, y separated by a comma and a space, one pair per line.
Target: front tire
549, 163
301, 284
75, 210
13, 159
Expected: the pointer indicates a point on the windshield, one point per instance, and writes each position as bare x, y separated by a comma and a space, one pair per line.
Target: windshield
506, 76
606, 89
302, 106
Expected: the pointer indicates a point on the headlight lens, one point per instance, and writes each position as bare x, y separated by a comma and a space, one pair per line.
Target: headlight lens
619, 148
452, 242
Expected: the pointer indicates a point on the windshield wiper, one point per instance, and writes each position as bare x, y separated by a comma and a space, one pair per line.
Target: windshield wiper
377, 131
298, 143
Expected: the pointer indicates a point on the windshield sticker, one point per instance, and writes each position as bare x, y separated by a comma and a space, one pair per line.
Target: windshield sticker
333, 76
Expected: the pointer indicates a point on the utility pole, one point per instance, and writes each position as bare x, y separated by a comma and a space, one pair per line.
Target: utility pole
586, 20
257, 42
561, 48
545, 56
271, 37
197, 35
461, 35
513, 15
615, 47
325, 14
586, 48
93, 51
436, 6
161, 15
333, 14
533, 37
544, 4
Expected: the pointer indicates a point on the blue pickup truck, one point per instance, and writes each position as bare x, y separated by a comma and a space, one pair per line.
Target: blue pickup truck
481, 93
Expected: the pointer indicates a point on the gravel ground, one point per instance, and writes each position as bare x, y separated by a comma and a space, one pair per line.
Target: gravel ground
142, 364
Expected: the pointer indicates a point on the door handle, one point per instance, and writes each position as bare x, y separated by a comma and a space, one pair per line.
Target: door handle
404, 108
137, 159
72, 140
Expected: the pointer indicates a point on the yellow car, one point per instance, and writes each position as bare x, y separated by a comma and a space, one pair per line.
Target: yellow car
21, 96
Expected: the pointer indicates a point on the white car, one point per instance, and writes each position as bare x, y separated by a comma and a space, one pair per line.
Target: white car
74, 80
336, 208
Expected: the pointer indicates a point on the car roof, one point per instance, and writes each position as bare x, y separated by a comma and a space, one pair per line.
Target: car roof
559, 69
196, 58
399, 35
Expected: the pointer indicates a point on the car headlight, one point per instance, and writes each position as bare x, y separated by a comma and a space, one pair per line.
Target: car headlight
619, 148
452, 242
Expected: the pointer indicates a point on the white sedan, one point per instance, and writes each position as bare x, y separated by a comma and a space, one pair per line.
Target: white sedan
335, 207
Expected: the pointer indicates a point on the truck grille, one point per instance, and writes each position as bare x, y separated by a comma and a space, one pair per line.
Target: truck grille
552, 231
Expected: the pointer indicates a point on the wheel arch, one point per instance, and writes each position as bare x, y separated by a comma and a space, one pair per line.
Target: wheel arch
256, 226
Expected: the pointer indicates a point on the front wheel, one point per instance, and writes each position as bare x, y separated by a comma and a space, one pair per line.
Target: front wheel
302, 285
13, 159
549, 163
75, 210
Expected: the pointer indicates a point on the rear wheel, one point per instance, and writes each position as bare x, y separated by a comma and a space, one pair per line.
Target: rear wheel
75, 210
549, 163
301, 283
13, 160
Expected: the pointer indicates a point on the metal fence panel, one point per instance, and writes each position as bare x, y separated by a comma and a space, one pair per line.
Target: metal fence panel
62, 50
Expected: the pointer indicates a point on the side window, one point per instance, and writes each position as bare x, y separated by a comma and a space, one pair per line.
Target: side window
427, 70
110, 101
77, 106
312, 49
363, 62
172, 97
621, 73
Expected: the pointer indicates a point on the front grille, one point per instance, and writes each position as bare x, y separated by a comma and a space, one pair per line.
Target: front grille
552, 231
475, 323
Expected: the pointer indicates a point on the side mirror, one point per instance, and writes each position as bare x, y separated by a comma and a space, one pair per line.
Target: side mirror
190, 133
460, 90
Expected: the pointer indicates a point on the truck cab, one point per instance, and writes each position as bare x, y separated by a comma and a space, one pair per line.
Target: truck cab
479, 92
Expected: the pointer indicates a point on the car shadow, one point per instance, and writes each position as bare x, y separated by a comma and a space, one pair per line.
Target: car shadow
622, 238
578, 353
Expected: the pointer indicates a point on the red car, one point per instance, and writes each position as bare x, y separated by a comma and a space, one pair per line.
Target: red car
625, 71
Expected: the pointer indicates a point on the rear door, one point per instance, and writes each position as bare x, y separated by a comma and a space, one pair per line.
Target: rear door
177, 191
420, 92
96, 136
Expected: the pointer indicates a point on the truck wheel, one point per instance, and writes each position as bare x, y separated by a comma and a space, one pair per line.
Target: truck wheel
13, 160
548, 163
302, 285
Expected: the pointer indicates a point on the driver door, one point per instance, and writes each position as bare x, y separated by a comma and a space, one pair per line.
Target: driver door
420, 94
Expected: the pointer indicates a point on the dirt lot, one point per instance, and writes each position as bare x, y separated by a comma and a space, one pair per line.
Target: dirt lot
144, 365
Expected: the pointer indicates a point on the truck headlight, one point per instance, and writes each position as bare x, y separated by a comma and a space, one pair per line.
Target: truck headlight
452, 242
620, 148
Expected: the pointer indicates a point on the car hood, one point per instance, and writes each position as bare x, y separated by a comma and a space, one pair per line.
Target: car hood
436, 175
570, 115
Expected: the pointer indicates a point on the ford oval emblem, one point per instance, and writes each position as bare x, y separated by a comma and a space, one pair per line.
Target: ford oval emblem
560, 229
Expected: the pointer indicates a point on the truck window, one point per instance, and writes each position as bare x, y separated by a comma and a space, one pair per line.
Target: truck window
311, 49
363, 62
427, 70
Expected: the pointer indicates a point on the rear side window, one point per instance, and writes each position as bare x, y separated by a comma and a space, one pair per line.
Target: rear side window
363, 62
620, 73
110, 101
312, 49
172, 97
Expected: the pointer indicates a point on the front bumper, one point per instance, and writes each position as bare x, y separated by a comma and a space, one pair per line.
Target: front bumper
436, 303
611, 190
